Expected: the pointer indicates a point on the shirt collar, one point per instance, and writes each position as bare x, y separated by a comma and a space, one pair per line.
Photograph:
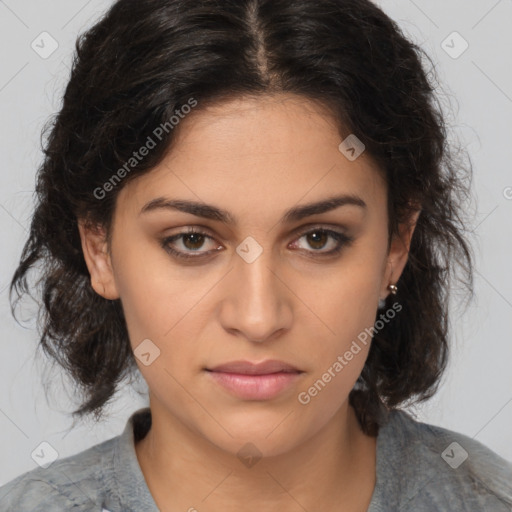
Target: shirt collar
132, 488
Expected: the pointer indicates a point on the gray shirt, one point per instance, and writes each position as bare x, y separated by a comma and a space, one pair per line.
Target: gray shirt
420, 467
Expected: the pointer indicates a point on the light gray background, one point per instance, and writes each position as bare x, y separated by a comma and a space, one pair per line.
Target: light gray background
476, 395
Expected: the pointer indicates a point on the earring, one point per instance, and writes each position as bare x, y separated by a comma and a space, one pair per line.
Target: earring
392, 290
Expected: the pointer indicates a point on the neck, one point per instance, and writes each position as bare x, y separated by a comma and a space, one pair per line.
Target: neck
335, 468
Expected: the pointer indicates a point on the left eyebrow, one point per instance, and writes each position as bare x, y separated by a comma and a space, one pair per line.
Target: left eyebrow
215, 213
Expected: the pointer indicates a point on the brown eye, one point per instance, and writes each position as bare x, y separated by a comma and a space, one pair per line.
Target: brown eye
191, 242
318, 239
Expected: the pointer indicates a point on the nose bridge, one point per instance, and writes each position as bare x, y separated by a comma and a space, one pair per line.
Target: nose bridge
259, 279
257, 300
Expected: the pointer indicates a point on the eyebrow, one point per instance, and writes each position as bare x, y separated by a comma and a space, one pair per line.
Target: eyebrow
211, 212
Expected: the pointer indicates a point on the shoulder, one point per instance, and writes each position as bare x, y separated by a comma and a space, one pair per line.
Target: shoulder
445, 469
71, 483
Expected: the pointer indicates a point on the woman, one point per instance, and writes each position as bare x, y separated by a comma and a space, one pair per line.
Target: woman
253, 204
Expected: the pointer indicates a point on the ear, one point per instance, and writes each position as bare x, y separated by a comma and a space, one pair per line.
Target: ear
399, 253
98, 260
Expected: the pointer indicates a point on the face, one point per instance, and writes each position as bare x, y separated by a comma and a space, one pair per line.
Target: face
245, 279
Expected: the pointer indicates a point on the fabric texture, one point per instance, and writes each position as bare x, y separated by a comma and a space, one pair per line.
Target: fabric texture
420, 468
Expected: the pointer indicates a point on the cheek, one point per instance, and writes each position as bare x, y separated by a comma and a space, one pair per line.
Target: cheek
347, 309
152, 298
346, 305
141, 301
347, 301
163, 303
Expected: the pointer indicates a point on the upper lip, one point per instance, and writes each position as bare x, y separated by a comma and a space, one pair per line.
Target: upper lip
249, 368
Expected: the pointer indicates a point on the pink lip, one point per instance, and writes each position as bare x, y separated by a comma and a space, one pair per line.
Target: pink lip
255, 381
249, 368
255, 387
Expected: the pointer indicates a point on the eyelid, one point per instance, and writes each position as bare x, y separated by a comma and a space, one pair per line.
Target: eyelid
326, 226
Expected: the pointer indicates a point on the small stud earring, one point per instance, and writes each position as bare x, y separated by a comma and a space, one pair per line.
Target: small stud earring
392, 290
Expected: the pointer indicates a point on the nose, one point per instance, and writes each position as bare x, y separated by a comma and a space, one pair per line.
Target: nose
257, 304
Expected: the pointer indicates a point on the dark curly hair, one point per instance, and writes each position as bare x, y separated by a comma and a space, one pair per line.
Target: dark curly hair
143, 61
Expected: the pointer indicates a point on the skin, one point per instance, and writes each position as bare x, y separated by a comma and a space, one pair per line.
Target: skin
255, 158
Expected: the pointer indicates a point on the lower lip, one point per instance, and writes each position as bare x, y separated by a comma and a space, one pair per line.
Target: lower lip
255, 387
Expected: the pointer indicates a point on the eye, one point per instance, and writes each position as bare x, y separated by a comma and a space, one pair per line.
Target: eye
318, 238
192, 240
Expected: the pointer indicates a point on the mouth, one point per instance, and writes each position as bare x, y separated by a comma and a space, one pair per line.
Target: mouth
255, 381
268, 367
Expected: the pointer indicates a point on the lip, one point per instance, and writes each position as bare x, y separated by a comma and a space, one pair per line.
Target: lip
255, 381
267, 367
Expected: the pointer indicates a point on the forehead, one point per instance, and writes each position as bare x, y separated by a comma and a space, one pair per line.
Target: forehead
257, 126
257, 154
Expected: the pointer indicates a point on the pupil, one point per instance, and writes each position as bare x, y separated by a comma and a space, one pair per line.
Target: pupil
318, 234
197, 243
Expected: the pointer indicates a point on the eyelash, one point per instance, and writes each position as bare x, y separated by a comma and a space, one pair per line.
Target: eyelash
342, 239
